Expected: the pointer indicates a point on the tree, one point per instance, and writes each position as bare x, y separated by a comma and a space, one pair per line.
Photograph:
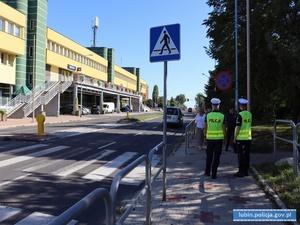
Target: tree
149, 103
180, 99
172, 102
155, 94
200, 101
275, 50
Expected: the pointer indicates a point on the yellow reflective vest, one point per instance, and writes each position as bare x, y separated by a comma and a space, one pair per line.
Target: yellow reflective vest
214, 129
245, 131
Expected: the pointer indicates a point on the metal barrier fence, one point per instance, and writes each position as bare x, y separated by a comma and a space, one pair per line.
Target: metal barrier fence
189, 134
83, 204
110, 198
294, 142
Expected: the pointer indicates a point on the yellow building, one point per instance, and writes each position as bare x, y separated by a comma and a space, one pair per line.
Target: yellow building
58, 70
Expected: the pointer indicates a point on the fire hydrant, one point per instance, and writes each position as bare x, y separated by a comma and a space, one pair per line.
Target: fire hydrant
40, 118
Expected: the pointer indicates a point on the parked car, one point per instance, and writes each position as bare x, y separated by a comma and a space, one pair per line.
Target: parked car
85, 110
68, 109
174, 116
95, 109
190, 109
108, 107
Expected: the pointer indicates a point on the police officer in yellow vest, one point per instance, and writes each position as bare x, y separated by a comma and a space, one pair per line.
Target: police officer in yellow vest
243, 138
214, 134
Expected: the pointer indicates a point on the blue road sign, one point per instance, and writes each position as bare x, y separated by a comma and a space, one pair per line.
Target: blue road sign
223, 80
165, 43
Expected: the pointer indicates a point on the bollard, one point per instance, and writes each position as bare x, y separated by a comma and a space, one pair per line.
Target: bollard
40, 118
127, 115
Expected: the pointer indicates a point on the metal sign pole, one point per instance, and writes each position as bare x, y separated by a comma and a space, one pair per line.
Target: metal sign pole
165, 131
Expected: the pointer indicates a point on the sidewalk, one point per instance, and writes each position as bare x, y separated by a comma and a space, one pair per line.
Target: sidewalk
193, 198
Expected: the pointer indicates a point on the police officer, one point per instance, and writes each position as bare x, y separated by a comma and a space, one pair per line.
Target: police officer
214, 134
243, 138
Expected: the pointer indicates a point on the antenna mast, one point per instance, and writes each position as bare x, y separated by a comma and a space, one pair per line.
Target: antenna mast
95, 27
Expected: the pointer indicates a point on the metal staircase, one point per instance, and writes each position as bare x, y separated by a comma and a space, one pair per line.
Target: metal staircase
23, 105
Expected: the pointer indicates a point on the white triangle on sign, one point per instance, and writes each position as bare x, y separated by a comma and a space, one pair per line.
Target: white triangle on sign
164, 45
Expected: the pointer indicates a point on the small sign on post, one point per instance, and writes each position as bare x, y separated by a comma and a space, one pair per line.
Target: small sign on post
223, 81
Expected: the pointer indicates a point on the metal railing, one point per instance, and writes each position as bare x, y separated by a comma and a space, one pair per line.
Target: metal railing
294, 142
20, 100
110, 198
83, 204
42, 95
189, 134
115, 186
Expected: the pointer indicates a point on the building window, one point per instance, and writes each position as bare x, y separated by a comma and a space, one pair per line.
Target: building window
1, 24
30, 78
10, 60
30, 53
31, 26
2, 58
9, 28
17, 31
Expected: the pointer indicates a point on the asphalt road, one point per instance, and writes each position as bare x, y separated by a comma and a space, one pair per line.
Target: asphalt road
46, 178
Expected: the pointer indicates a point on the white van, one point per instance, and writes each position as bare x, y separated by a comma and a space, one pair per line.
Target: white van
108, 107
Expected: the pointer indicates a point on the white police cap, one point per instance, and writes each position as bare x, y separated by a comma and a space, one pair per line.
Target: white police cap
243, 101
215, 101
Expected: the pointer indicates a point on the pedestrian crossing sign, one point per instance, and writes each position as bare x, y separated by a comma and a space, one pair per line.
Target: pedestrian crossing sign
165, 43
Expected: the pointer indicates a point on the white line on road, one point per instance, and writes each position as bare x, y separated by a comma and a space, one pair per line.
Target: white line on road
15, 160
110, 167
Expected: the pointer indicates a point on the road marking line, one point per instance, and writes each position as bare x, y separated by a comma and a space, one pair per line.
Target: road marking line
31, 147
110, 167
6, 212
15, 160
137, 175
67, 170
37, 218
104, 146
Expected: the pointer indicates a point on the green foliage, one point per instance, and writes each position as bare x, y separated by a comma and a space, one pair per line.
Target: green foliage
274, 53
139, 118
155, 94
3, 112
282, 181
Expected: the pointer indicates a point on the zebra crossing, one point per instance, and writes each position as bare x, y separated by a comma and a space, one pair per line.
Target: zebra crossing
71, 132
95, 165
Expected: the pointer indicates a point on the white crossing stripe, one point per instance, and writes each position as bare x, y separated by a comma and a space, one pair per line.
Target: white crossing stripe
37, 218
15, 160
31, 147
13, 180
44, 163
7, 212
74, 132
110, 167
137, 175
67, 170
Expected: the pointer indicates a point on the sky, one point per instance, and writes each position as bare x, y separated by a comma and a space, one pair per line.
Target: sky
124, 25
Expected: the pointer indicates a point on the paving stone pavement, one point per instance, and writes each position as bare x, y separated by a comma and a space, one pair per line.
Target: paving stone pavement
192, 198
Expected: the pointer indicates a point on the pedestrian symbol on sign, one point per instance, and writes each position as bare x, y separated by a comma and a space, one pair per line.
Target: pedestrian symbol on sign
164, 45
166, 40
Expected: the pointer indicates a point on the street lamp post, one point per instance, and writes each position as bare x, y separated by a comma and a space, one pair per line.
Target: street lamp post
81, 80
208, 78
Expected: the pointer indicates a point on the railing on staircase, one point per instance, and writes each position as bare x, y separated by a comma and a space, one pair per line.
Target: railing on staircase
43, 94
46, 96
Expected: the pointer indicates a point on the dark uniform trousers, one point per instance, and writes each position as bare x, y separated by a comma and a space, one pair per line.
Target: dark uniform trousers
243, 150
213, 153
